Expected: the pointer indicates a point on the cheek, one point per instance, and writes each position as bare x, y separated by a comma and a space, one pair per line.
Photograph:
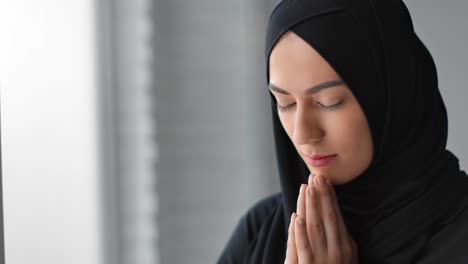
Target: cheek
346, 128
287, 121
349, 136
355, 140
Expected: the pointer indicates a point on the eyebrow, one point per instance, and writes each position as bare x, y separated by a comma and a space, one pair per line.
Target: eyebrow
314, 89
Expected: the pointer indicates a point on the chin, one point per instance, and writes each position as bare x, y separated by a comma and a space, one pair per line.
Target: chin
325, 171
330, 174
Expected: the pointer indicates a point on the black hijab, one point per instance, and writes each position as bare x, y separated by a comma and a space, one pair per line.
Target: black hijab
413, 183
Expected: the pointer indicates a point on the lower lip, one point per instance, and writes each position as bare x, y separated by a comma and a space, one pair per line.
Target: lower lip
322, 161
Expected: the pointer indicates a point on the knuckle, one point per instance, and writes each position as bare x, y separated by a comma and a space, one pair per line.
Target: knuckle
317, 226
303, 246
331, 215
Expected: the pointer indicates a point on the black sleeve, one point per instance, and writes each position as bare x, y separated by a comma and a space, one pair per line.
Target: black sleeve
246, 230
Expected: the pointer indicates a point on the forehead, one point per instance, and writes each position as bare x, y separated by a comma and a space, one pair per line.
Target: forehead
294, 60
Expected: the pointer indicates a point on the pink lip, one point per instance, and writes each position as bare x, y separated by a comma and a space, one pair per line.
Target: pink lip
320, 160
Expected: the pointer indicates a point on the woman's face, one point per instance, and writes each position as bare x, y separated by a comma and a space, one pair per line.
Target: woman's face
318, 111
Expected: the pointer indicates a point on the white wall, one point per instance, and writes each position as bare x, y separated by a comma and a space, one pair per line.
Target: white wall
49, 131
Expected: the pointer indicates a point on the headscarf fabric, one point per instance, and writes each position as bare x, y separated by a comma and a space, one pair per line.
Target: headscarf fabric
413, 182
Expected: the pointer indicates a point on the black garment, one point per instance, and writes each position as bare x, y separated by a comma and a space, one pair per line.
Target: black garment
413, 184
446, 244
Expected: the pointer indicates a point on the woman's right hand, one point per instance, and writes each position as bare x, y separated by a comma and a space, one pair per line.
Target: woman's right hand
317, 233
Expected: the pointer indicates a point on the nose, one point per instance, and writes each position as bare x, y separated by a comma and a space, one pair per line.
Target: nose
307, 126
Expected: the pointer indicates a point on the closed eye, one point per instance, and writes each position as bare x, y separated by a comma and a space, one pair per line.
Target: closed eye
284, 108
330, 106
327, 107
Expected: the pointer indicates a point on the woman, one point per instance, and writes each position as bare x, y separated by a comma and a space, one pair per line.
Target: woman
360, 131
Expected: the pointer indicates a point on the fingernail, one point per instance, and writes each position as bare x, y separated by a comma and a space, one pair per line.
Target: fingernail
311, 179
311, 190
292, 216
303, 187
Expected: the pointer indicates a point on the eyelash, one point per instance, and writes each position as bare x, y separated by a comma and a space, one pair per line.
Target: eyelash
286, 108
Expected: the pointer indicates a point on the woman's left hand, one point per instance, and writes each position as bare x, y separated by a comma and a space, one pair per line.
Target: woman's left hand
317, 233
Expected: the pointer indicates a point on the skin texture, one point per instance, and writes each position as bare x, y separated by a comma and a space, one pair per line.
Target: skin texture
314, 129
329, 121
317, 233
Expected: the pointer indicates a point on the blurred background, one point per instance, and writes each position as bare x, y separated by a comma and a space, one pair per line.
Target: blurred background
139, 131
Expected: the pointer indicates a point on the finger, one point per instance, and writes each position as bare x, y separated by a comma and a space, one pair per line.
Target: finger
304, 252
348, 246
315, 231
330, 219
340, 221
301, 201
291, 251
